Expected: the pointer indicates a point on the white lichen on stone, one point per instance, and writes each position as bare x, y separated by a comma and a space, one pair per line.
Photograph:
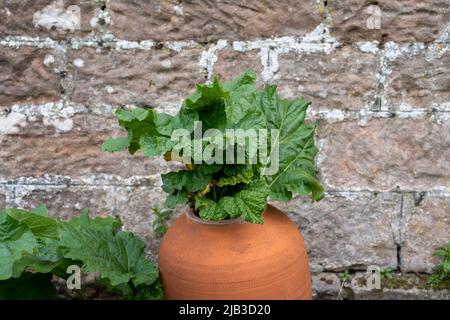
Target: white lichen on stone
85, 180
368, 46
109, 89
79, 63
7, 12
444, 37
178, 46
393, 50
93, 22
178, 9
331, 116
436, 51
57, 114
209, 57
12, 123
166, 63
441, 113
56, 16
49, 59
77, 43
126, 45
19, 41
405, 110
60, 124
100, 15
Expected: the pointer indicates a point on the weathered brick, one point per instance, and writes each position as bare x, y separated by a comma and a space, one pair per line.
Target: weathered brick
25, 78
209, 21
427, 228
134, 76
418, 82
47, 18
401, 21
361, 222
70, 154
231, 63
344, 79
412, 154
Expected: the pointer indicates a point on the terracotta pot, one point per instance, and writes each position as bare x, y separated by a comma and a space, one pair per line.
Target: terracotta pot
234, 259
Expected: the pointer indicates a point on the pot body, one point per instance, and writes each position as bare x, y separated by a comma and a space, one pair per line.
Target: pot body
234, 260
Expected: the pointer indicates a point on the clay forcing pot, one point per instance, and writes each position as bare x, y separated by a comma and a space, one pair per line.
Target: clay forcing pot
234, 259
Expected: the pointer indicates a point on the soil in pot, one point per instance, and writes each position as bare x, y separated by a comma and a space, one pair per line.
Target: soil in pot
234, 259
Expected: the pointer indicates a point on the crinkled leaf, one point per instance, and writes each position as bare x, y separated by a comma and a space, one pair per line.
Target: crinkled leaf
248, 77
117, 144
124, 115
209, 168
296, 181
45, 257
248, 204
137, 122
84, 221
120, 256
41, 210
16, 240
206, 95
140, 114
154, 145
295, 174
191, 180
184, 119
148, 292
153, 291
235, 174
211, 210
32, 240
178, 197
40, 226
243, 110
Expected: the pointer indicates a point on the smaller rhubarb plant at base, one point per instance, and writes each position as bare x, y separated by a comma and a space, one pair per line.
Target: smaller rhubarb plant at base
35, 248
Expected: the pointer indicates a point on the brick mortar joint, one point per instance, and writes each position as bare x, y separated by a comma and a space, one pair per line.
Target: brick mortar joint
111, 42
66, 109
143, 181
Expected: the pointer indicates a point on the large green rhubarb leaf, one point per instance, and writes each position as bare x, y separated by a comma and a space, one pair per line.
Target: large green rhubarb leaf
295, 139
118, 257
248, 204
16, 240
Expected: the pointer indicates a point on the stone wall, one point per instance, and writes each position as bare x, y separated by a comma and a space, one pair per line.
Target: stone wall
381, 98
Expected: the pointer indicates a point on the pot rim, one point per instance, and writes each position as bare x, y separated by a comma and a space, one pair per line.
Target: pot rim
196, 219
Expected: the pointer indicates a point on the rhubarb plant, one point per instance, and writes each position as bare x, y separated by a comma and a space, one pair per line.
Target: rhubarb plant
34, 248
226, 178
